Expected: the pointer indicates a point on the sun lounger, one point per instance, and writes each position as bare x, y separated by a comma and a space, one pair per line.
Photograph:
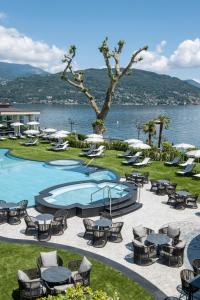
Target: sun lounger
60, 147
132, 160
187, 170
143, 163
188, 162
12, 137
197, 176
31, 143
88, 151
3, 138
98, 152
127, 153
173, 162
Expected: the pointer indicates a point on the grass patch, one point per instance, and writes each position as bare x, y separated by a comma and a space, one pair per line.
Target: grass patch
156, 169
19, 256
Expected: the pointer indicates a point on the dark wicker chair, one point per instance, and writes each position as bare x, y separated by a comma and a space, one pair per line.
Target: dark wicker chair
161, 190
180, 202
191, 201
57, 225
196, 266
31, 224
40, 265
154, 186
114, 232
147, 231
173, 255
100, 237
89, 226
43, 231
171, 189
171, 199
139, 180
32, 289
186, 289
3, 215
143, 255
79, 278
22, 207
14, 216
64, 214
175, 237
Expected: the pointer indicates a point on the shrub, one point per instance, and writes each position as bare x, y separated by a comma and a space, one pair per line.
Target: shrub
82, 293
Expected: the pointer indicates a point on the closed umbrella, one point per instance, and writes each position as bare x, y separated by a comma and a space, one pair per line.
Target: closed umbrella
31, 132
184, 146
140, 146
133, 141
49, 130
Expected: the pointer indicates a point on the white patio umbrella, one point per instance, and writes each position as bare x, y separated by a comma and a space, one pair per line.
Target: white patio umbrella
94, 135
17, 125
140, 146
184, 146
133, 141
58, 135
94, 140
63, 132
193, 153
49, 130
33, 123
31, 132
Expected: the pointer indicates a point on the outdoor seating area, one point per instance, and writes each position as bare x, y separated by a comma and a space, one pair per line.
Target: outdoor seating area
12, 213
50, 276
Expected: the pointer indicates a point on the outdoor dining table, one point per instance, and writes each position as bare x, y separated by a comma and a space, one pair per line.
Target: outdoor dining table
158, 239
195, 282
56, 275
8, 205
44, 218
182, 193
136, 174
103, 223
163, 181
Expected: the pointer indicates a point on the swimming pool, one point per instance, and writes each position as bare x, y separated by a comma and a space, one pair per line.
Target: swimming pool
24, 179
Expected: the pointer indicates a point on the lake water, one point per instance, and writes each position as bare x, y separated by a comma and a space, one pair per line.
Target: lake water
184, 127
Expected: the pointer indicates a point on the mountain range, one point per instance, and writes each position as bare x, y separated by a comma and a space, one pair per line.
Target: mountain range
140, 87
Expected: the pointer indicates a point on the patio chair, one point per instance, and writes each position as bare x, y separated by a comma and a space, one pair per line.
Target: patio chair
143, 163
171, 188
31, 143
62, 213
180, 202
190, 161
127, 153
140, 233
31, 224
154, 185
81, 270
99, 238
114, 233
88, 151
196, 266
143, 255
186, 289
89, 226
173, 162
132, 159
172, 232
12, 137
139, 180
57, 225
43, 231
186, 171
173, 255
22, 207
191, 201
48, 259
161, 190
30, 284
3, 215
98, 152
14, 216
171, 199
60, 147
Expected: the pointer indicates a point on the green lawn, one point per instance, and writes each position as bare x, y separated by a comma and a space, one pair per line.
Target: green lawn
157, 170
19, 256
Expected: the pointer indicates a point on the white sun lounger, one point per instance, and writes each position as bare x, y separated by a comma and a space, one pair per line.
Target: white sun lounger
143, 163
98, 152
60, 147
31, 143
188, 162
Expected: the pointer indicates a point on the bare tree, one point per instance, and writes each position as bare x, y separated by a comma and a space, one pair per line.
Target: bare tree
114, 73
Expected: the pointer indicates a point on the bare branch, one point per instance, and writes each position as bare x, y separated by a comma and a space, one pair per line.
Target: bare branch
104, 49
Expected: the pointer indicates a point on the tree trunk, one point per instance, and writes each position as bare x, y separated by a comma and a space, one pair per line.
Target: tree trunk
98, 128
160, 135
149, 138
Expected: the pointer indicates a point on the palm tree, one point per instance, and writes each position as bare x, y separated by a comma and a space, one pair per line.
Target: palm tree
150, 128
163, 122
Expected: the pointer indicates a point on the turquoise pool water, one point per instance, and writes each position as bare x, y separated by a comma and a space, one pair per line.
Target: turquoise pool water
23, 179
86, 193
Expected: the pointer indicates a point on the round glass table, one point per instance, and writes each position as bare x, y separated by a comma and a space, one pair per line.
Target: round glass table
182, 193
158, 239
103, 223
44, 217
56, 275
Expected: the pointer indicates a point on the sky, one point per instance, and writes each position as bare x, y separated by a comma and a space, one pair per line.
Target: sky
39, 33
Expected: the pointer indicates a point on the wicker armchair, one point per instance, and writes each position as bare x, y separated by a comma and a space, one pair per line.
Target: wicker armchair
171, 199
100, 238
33, 288
77, 277
161, 190
154, 186
140, 235
171, 189
191, 201
31, 224
40, 264
196, 266
64, 214
89, 226
43, 231
186, 276
173, 255
143, 255
14, 216
57, 225
22, 207
180, 202
171, 232
3, 215
114, 233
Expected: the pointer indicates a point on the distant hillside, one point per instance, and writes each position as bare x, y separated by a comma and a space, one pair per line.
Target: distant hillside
9, 71
193, 83
140, 87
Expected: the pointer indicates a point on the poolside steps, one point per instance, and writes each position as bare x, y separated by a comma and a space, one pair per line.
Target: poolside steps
120, 208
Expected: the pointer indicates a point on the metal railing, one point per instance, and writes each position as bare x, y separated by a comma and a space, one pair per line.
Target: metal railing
106, 187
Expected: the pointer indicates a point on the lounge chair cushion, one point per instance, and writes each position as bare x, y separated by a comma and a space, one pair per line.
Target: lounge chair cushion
22, 276
140, 231
180, 245
49, 259
85, 265
172, 231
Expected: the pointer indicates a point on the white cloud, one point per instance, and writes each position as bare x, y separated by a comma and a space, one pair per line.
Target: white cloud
187, 54
3, 16
160, 47
16, 47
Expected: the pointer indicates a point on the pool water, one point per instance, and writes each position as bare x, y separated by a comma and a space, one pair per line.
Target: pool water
23, 179
86, 193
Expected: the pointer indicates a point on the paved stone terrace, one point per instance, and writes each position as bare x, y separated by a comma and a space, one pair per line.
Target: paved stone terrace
154, 214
